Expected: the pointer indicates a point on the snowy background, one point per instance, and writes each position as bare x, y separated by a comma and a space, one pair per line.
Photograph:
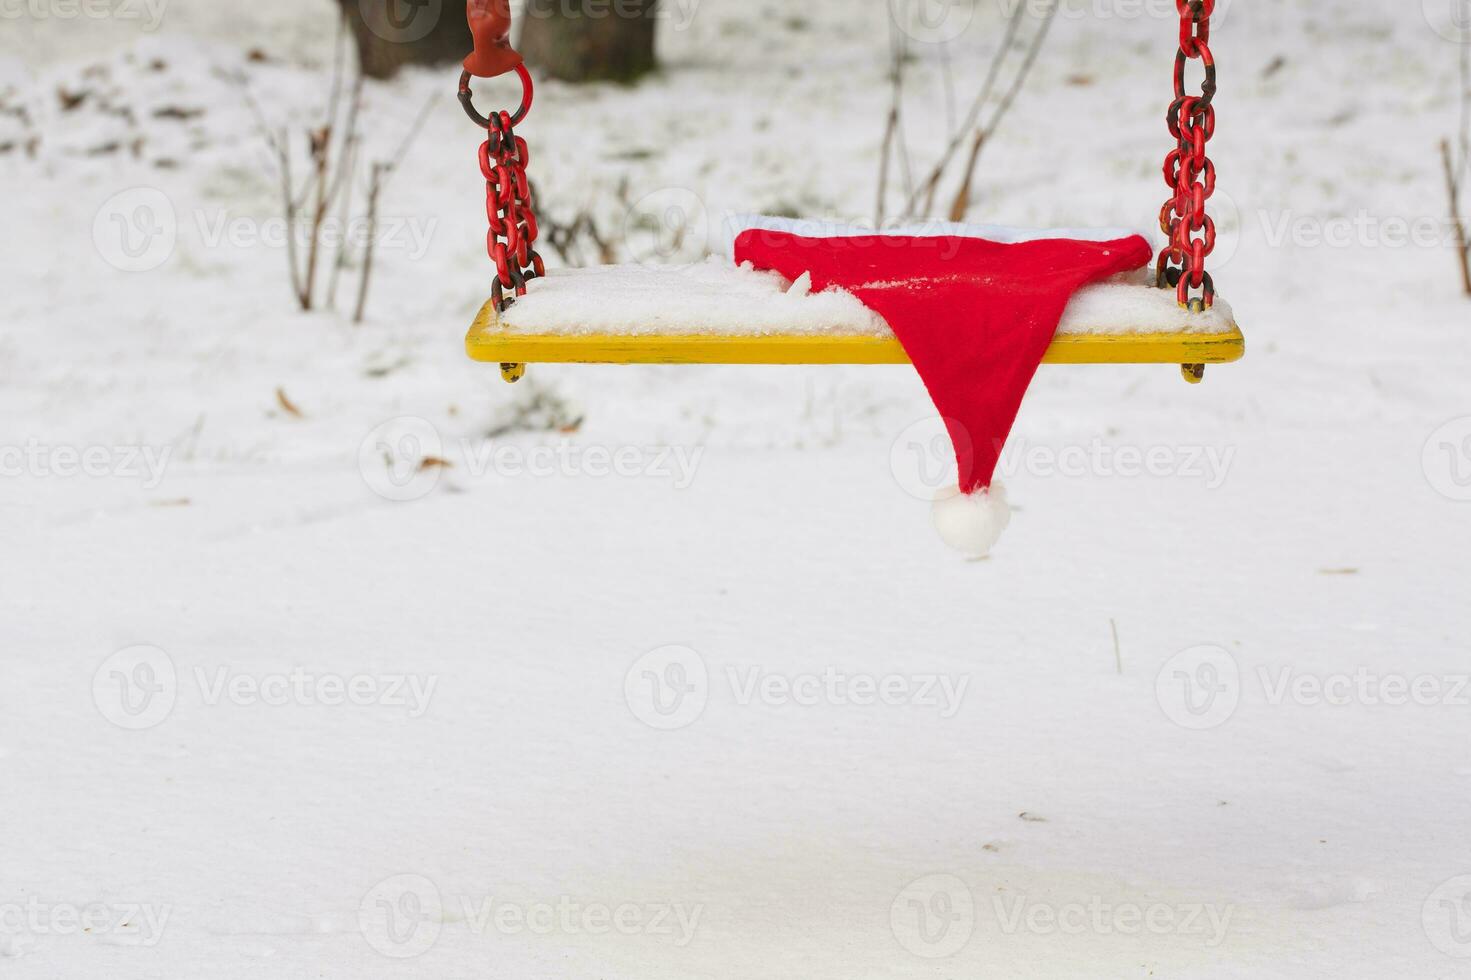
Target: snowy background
326, 654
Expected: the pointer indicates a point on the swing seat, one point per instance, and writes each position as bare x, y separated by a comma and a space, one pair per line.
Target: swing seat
716, 313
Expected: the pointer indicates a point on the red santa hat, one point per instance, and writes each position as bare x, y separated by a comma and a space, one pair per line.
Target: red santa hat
975, 308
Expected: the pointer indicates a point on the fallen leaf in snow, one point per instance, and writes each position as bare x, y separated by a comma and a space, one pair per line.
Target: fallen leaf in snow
287, 405
1338, 571
435, 463
1031, 817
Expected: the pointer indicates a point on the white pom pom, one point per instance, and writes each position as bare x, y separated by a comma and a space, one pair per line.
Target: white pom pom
972, 523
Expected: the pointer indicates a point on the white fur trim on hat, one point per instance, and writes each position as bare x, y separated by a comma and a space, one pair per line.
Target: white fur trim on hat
972, 523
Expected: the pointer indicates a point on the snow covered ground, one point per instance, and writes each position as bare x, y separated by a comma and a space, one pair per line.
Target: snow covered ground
328, 654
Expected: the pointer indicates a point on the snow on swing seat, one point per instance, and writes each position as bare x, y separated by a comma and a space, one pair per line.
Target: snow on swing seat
715, 312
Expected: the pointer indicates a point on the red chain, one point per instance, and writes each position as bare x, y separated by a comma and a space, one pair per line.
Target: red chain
512, 237
1192, 175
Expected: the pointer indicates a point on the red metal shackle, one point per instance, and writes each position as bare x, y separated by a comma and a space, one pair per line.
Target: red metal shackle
490, 23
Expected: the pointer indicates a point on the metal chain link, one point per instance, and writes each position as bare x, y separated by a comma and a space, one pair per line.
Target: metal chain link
1188, 171
511, 239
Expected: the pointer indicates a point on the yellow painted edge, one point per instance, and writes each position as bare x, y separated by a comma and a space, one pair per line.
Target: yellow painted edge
487, 342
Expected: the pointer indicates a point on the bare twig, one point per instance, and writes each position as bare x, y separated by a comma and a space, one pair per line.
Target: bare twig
332, 153
290, 209
294, 200
973, 115
1465, 66
375, 188
891, 124
607, 251
976, 132
329, 169
414, 129
1453, 178
321, 152
1456, 162
961, 204
349, 136
894, 142
339, 52
381, 173
947, 76
279, 143
344, 213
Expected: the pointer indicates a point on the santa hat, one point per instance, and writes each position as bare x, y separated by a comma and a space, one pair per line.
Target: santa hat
976, 308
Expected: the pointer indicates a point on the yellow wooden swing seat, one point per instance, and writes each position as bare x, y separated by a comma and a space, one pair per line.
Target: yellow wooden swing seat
576, 334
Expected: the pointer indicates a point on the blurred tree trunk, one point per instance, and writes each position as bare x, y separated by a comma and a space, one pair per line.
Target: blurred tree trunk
394, 33
590, 40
